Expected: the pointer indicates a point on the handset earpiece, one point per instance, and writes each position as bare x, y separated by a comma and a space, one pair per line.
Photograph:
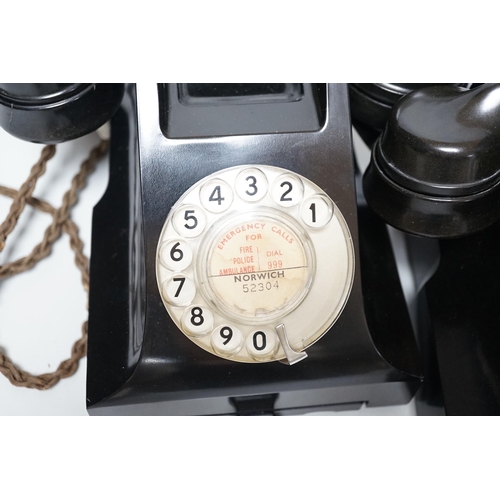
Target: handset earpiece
50, 113
371, 105
435, 170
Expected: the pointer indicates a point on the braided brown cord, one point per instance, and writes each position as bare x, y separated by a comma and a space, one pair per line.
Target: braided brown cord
61, 222
54, 230
24, 193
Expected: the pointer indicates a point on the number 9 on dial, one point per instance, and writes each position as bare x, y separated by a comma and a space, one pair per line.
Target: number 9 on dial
227, 340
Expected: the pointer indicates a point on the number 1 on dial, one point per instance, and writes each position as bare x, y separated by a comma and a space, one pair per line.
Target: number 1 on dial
316, 211
312, 208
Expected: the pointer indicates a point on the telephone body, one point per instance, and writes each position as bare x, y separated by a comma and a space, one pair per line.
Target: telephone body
234, 270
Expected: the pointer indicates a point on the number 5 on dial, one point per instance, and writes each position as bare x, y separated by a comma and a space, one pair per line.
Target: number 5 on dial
189, 221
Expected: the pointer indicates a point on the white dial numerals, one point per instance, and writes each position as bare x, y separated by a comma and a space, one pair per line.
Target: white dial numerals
197, 320
249, 249
189, 221
316, 211
176, 255
251, 184
227, 339
216, 196
262, 344
287, 190
179, 290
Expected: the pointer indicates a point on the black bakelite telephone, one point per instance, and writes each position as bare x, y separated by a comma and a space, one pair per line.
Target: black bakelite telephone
240, 265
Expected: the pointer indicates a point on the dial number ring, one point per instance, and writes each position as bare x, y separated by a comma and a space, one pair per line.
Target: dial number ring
238, 288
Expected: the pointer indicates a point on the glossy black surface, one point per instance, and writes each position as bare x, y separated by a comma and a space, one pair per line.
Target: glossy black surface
371, 105
56, 112
225, 110
38, 92
116, 294
435, 170
463, 306
365, 357
205, 93
444, 141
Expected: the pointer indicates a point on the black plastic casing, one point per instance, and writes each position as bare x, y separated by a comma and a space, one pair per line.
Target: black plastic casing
139, 363
435, 170
435, 173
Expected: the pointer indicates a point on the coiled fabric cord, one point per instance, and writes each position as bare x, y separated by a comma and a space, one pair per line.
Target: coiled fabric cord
60, 222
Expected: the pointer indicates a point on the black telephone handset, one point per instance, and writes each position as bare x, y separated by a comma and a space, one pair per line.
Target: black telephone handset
435, 173
236, 267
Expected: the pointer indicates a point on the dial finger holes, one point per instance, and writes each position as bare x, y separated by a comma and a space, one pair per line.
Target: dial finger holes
197, 320
189, 221
176, 255
287, 190
179, 290
251, 184
250, 247
216, 196
316, 211
227, 340
262, 344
